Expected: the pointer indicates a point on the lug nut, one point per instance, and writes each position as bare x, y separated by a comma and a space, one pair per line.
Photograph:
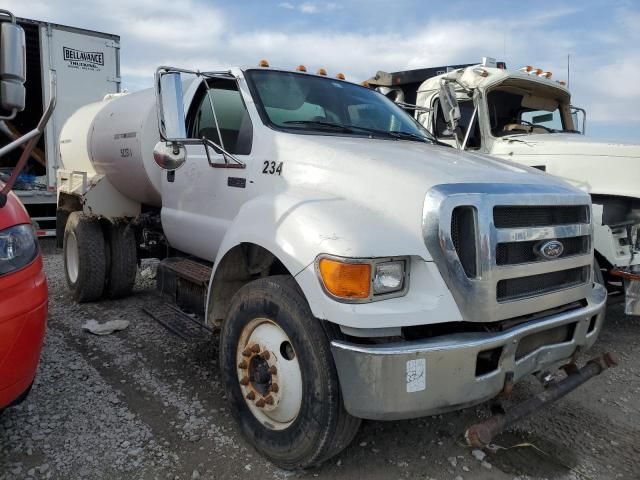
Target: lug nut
260, 403
273, 370
246, 352
275, 387
251, 395
243, 365
255, 348
244, 380
268, 400
265, 355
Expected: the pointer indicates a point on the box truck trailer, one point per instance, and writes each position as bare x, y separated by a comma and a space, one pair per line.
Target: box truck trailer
87, 66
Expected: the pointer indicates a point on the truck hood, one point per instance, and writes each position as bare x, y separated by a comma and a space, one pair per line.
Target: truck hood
593, 165
349, 184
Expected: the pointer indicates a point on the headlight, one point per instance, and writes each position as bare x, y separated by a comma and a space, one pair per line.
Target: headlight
362, 280
18, 248
388, 277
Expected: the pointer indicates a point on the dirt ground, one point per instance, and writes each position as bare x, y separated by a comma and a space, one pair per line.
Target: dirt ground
143, 403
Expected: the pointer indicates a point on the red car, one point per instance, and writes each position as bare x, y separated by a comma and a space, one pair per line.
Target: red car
23, 302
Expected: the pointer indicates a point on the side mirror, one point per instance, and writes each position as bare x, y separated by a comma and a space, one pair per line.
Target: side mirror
169, 153
170, 106
13, 67
169, 156
449, 104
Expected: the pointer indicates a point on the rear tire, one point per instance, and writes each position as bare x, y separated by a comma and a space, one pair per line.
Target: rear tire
84, 257
315, 426
123, 259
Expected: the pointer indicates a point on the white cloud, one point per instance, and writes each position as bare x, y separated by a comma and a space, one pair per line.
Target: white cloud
311, 7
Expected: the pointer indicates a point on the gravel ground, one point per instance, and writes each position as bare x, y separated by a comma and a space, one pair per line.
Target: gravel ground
143, 403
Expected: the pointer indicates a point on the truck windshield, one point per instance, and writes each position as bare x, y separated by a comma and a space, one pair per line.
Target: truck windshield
513, 112
302, 103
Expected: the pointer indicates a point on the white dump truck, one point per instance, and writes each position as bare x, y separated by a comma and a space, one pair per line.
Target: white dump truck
527, 117
356, 269
87, 67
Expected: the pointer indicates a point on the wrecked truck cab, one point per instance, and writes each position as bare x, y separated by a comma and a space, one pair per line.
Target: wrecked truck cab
355, 268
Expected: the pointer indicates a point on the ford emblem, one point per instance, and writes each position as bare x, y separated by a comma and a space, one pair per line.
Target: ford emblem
549, 250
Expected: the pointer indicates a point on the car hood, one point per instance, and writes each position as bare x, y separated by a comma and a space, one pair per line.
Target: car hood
355, 186
597, 166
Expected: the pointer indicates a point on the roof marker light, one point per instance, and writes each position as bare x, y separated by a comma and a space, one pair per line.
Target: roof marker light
538, 71
545, 74
481, 71
301, 68
322, 71
340, 76
263, 63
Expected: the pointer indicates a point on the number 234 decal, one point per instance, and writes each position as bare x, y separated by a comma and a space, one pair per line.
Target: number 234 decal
271, 168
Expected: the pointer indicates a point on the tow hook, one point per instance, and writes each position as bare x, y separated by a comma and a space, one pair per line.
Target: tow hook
481, 434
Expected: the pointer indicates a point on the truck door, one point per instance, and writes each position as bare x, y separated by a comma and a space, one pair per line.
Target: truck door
201, 199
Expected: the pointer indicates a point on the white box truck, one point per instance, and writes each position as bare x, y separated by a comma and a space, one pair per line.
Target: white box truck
87, 66
527, 117
355, 268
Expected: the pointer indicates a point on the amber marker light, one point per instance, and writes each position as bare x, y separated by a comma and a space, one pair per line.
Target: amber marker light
350, 281
301, 68
264, 63
322, 71
340, 76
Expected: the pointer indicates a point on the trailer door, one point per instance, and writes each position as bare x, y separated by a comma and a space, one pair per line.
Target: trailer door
87, 68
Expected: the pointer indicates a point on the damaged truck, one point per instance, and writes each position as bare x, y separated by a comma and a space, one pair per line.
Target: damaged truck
355, 268
527, 117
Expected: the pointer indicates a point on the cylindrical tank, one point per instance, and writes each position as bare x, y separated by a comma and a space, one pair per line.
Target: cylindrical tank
116, 137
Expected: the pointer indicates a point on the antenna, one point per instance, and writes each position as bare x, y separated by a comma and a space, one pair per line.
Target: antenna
568, 69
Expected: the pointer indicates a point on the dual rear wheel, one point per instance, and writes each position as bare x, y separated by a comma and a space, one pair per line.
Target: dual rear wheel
99, 258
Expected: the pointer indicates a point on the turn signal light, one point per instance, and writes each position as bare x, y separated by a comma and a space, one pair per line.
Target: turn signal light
263, 63
346, 280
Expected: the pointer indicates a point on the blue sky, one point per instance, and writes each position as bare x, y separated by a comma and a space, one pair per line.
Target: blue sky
359, 37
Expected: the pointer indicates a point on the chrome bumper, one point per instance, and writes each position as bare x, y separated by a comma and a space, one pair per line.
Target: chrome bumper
426, 377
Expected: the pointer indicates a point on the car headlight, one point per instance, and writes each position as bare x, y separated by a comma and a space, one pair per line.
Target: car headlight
18, 248
388, 277
362, 280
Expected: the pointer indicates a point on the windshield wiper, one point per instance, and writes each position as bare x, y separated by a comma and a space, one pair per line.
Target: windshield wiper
410, 136
348, 128
318, 123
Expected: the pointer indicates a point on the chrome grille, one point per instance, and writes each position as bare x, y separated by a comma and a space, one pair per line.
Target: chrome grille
538, 216
515, 288
514, 253
510, 280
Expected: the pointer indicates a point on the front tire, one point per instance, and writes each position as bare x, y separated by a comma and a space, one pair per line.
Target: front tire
280, 378
84, 257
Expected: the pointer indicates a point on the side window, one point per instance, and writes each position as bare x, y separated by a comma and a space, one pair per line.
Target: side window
466, 112
233, 119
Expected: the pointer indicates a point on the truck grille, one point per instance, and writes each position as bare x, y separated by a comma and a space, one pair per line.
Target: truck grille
514, 253
486, 240
539, 216
516, 288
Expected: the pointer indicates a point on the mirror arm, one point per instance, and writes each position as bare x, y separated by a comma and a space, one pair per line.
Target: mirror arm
32, 138
210, 144
471, 122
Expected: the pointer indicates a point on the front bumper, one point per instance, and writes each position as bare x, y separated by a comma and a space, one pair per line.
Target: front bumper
426, 377
23, 315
